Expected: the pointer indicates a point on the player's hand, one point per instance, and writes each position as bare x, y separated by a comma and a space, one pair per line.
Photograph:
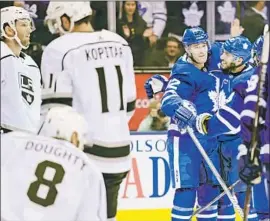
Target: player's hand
185, 115
236, 28
249, 172
155, 84
201, 122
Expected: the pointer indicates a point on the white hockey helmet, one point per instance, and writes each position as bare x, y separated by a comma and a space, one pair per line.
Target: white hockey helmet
62, 122
9, 15
74, 10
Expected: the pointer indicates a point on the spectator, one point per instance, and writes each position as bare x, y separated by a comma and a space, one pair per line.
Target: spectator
131, 27
254, 19
166, 58
155, 120
155, 16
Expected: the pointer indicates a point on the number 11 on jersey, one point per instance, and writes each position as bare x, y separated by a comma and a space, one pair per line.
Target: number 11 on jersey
103, 88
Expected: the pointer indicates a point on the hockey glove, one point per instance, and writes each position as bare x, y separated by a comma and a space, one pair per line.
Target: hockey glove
155, 84
249, 172
185, 115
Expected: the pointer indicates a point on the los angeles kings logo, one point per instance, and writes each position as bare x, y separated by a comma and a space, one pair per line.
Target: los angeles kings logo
27, 89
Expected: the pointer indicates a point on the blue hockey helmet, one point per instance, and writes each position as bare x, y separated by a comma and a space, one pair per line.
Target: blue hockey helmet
239, 47
257, 48
194, 36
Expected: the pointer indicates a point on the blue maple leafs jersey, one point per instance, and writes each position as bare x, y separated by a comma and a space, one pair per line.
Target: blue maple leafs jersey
189, 83
231, 101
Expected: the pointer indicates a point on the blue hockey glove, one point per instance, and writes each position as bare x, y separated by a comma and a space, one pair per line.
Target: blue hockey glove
155, 84
185, 115
249, 172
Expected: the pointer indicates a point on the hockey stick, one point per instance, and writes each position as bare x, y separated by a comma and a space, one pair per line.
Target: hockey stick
215, 172
213, 201
254, 143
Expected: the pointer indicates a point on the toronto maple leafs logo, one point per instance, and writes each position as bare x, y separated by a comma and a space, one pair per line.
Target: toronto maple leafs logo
227, 12
214, 95
27, 89
245, 46
192, 15
218, 96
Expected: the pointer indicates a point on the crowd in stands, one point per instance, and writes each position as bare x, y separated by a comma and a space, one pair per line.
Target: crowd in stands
154, 29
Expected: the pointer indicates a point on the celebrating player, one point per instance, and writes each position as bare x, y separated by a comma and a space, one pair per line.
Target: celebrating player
188, 87
234, 61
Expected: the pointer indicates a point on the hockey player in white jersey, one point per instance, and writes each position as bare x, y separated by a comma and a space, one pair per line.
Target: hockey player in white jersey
93, 72
47, 177
20, 75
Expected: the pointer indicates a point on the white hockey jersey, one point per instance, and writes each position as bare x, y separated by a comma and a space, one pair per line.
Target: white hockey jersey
96, 71
20, 91
45, 179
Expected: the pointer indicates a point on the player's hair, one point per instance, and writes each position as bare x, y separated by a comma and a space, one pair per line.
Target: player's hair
86, 20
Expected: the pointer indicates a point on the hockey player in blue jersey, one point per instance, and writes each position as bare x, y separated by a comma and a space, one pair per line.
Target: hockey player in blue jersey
226, 122
261, 190
234, 61
187, 90
244, 102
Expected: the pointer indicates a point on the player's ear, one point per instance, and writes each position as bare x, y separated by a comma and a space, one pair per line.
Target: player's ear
74, 139
239, 61
65, 22
9, 31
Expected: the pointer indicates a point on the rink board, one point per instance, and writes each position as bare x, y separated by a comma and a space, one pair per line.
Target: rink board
146, 194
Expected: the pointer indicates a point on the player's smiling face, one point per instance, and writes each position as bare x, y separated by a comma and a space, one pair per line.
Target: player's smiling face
24, 29
199, 52
227, 60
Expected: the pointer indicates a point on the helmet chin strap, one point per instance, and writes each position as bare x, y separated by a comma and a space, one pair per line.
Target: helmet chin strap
20, 43
16, 38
